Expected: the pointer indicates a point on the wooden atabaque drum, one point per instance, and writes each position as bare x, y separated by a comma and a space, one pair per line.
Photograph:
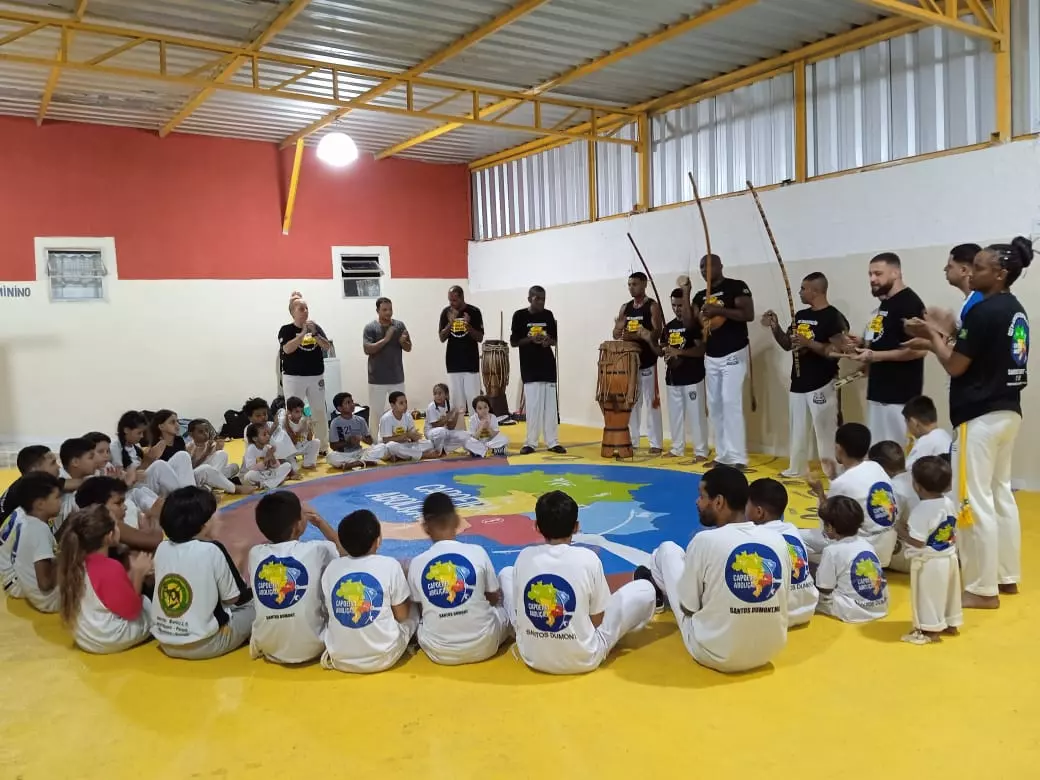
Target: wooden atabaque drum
616, 389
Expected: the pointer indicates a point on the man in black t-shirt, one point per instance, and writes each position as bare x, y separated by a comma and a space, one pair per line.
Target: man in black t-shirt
462, 327
818, 333
640, 320
682, 346
533, 333
896, 373
725, 310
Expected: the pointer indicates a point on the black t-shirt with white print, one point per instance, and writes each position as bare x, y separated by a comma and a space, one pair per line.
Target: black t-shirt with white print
731, 336
461, 353
537, 361
995, 335
682, 371
892, 382
820, 326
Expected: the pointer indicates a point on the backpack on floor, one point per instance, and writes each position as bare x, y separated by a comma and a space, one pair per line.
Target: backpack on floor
234, 426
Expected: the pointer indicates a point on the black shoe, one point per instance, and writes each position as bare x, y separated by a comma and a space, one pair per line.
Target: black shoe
643, 573
558, 450
526, 450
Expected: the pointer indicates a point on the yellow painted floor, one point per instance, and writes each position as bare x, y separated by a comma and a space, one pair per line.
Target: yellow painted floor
839, 701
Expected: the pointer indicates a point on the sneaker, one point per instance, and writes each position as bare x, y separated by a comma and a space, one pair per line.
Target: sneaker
558, 450
917, 637
643, 573
525, 450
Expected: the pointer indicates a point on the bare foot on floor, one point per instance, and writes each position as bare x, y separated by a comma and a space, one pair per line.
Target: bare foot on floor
952, 631
972, 601
1008, 590
670, 455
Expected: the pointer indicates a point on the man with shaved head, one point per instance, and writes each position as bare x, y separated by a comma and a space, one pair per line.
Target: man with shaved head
462, 328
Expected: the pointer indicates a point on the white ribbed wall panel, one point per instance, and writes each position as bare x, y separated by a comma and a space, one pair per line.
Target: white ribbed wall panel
1025, 67
617, 175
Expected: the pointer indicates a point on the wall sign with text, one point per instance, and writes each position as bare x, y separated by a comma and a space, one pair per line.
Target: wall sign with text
15, 291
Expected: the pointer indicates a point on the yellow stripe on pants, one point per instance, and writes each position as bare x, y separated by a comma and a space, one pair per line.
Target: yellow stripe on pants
964, 515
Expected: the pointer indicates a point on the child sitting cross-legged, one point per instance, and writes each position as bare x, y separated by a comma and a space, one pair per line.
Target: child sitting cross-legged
298, 430
399, 439
851, 582
33, 549
207, 449
260, 465
486, 438
346, 435
79, 461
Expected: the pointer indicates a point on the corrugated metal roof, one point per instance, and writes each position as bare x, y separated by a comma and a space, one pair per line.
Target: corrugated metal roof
395, 35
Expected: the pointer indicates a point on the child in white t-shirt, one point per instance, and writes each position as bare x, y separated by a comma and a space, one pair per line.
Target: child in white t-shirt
458, 593
891, 457
258, 412
399, 439
143, 468
930, 536
922, 422
100, 600
33, 549
366, 596
207, 449
110, 493
203, 608
286, 576
78, 461
729, 590
346, 435
260, 464
141, 499
445, 427
34, 458
298, 429
850, 578
865, 482
767, 502
485, 437
565, 618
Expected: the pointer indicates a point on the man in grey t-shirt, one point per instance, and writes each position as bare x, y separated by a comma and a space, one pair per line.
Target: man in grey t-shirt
384, 340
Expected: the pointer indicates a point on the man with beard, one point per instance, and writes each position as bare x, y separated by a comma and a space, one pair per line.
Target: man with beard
729, 589
896, 372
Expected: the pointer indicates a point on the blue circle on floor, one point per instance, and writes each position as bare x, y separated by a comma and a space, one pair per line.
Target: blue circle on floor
625, 512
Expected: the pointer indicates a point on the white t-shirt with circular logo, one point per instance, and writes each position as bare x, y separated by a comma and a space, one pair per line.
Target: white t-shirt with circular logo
852, 570
193, 582
869, 484
803, 595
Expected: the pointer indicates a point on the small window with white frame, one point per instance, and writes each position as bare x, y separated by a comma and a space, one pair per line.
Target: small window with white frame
75, 269
361, 270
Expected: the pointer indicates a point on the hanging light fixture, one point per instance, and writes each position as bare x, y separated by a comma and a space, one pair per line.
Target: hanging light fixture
337, 150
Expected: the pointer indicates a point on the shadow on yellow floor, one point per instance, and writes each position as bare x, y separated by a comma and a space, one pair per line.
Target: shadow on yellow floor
840, 700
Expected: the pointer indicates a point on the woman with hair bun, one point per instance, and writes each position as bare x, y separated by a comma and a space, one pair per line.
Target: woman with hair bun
987, 366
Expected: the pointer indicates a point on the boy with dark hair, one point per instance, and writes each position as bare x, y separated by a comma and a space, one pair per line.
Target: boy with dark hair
890, 456
35, 457
850, 577
458, 593
864, 481
930, 537
286, 576
299, 432
565, 618
767, 502
110, 493
922, 422
399, 438
79, 461
33, 549
371, 617
346, 435
729, 590
202, 608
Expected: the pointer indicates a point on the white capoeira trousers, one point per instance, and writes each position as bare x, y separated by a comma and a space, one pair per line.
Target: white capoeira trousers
311, 389
543, 416
686, 410
990, 546
379, 399
464, 388
481, 447
447, 439
219, 461
724, 379
268, 479
935, 592
818, 409
886, 422
164, 476
631, 608
411, 450
646, 390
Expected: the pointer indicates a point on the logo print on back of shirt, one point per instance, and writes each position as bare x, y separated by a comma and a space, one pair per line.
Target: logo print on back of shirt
944, 535
280, 583
357, 599
449, 581
868, 580
549, 602
753, 573
1020, 339
881, 504
799, 559
174, 595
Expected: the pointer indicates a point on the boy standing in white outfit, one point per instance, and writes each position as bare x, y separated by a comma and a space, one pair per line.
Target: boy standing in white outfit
930, 536
399, 438
767, 502
922, 422
366, 596
566, 619
683, 351
850, 579
286, 576
458, 593
865, 482
729, 590
34, 572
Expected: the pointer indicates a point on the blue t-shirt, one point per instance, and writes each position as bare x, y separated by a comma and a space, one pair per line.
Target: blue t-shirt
343, 428
969, 303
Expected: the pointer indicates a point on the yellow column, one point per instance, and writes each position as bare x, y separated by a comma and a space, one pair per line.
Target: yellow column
294, 183
593, 182
801, 133
1002, 69
643, 161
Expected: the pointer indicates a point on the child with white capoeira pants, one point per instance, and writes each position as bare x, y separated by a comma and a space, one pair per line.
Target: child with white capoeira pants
729, 589
260, 465
485, 437
346, 435
160, 476
442, 422
850, 579
930, 537
297, 431
565, 618
167, 444
399, 438
206, 448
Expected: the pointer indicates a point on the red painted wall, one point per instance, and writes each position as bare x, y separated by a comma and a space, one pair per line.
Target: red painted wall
194, 207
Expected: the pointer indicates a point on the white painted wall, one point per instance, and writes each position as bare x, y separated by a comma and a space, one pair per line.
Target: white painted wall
196, 346
918, 210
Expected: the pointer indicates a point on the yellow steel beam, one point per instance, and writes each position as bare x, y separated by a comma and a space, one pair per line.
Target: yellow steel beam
280, 23
52, 77
294, 182
496, 24
643, 161
1002, 68
829, 47
801, 131
931, 16
593, 181
636, 47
